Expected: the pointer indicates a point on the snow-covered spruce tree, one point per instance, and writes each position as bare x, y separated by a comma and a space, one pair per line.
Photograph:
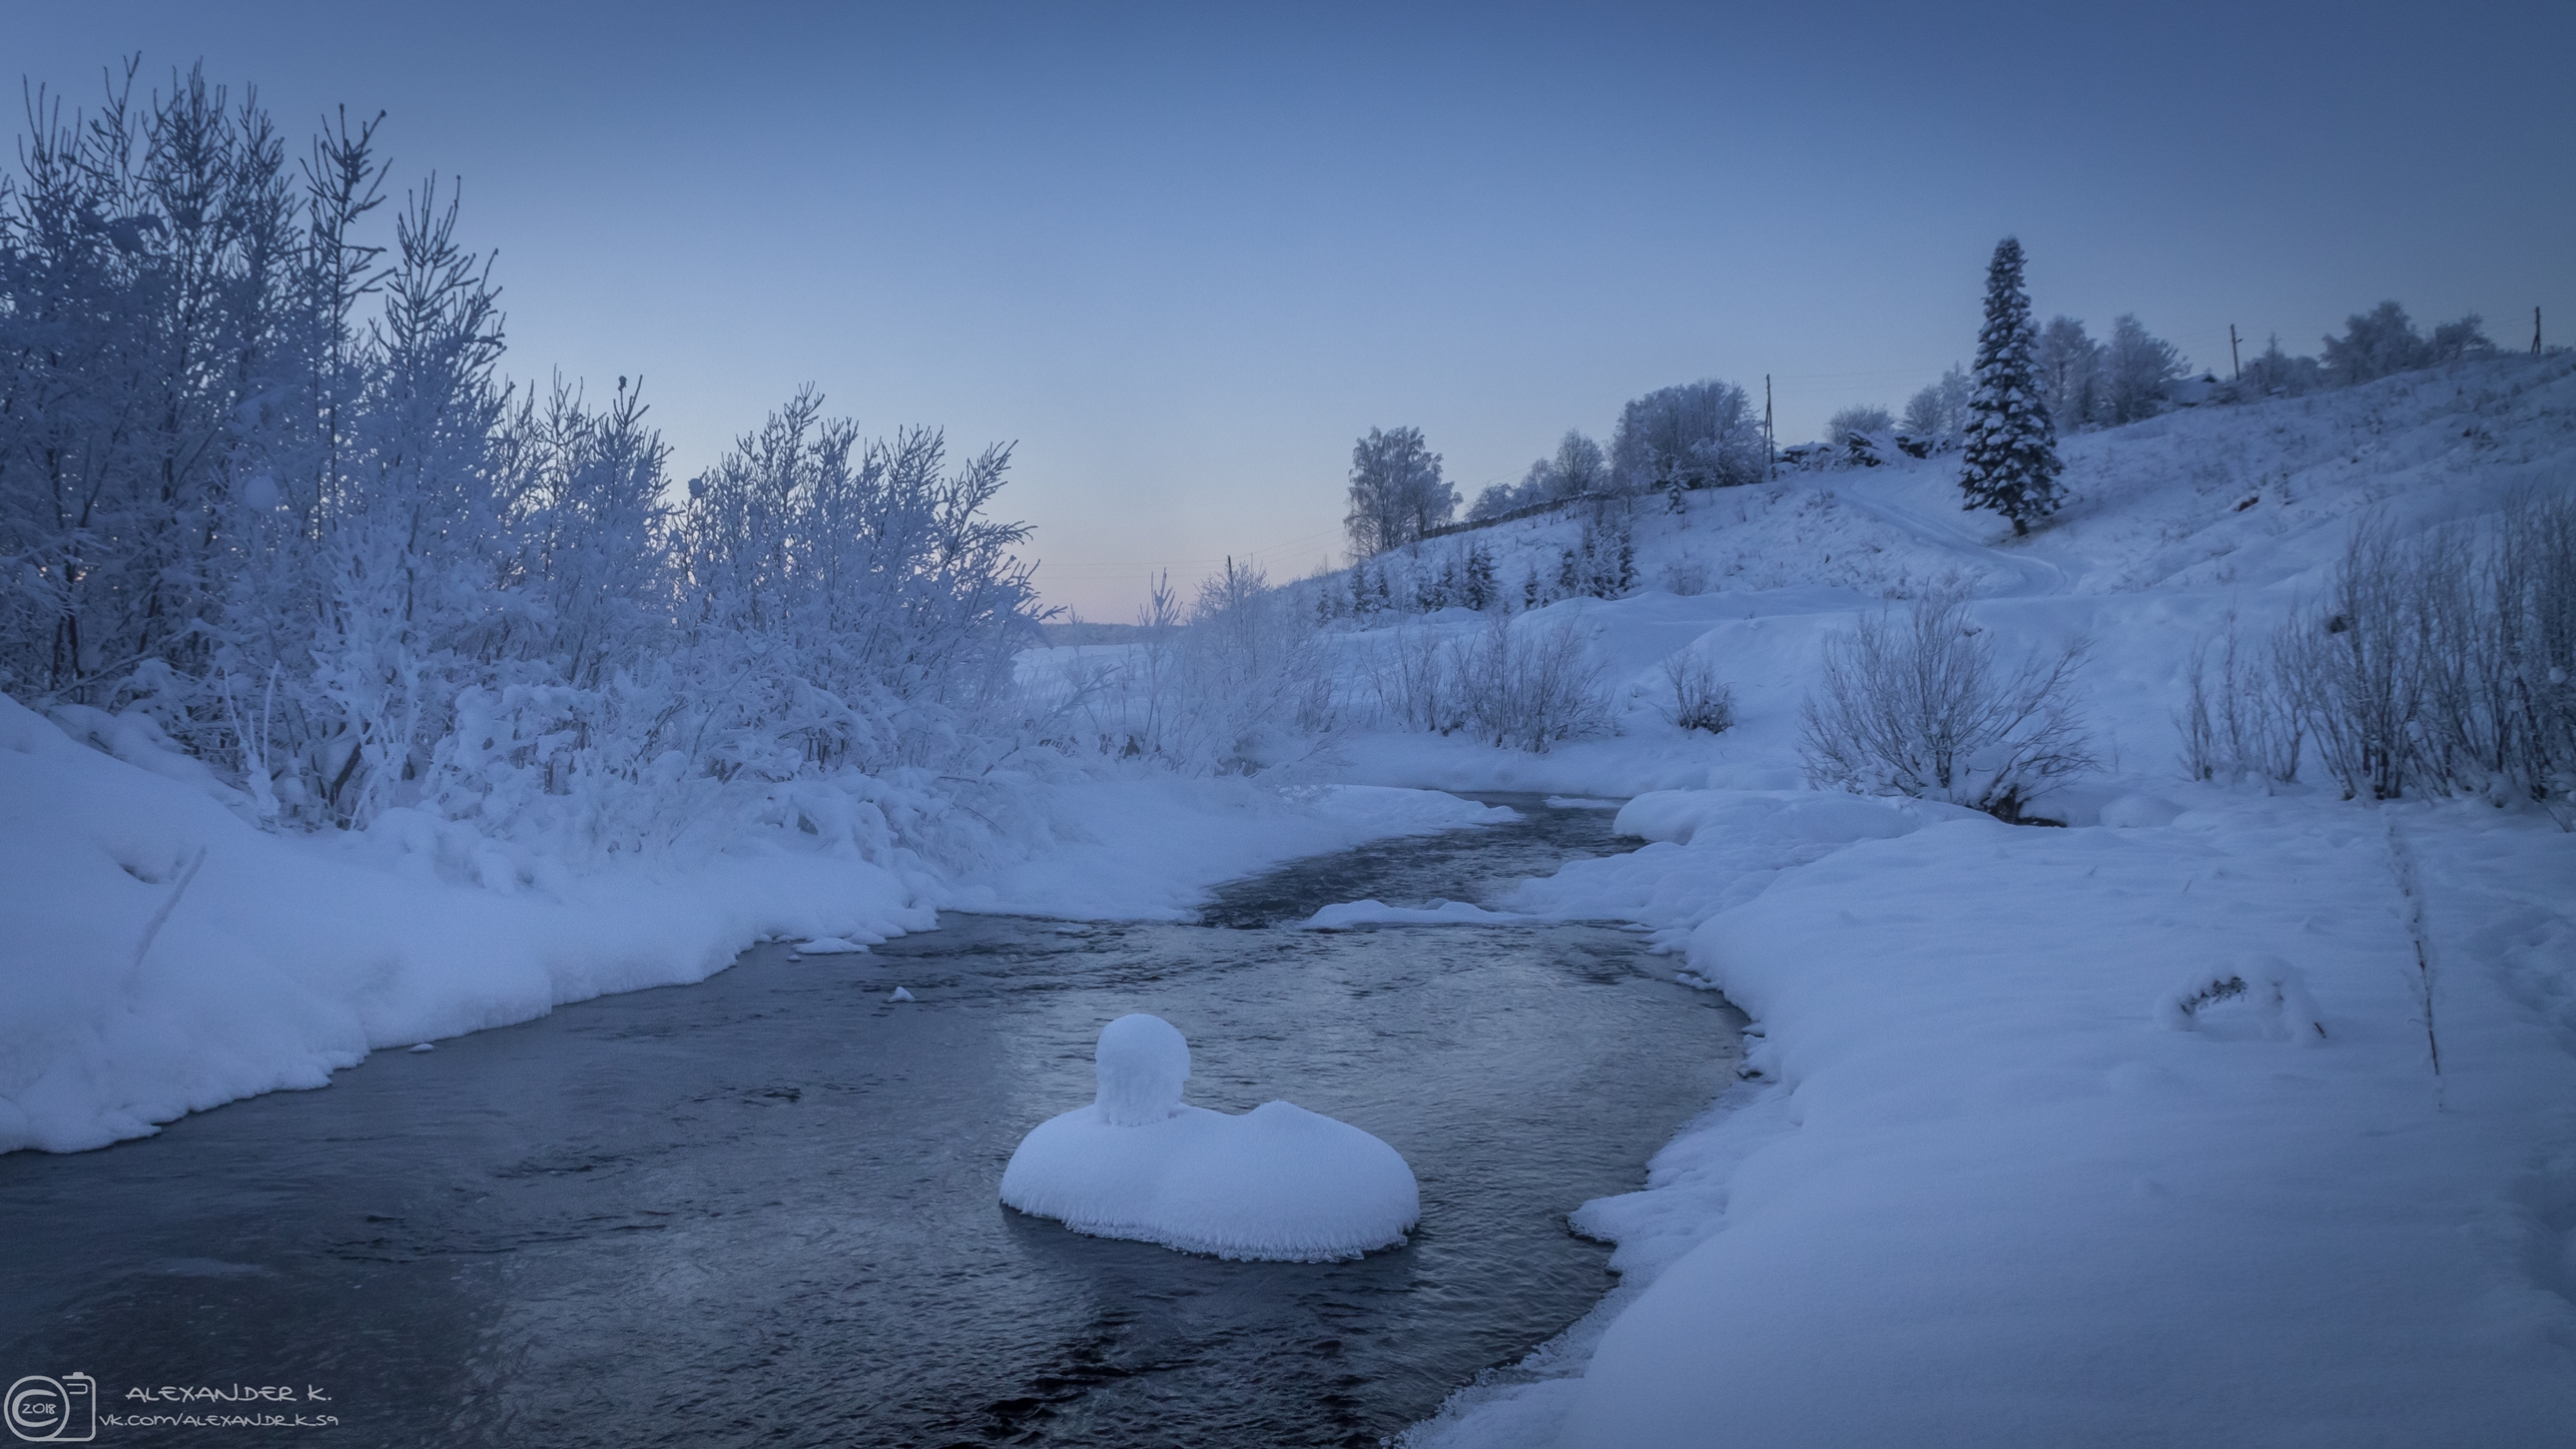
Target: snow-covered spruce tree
2011, 465
1476, 587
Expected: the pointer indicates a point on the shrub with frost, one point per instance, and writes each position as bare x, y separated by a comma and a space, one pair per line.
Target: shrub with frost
1701, 701
1916, 704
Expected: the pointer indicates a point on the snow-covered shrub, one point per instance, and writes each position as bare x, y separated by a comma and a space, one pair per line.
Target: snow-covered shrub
1530, 683
1236, 683
1686, 576
2237, 725
1525, 683
1600, 564
1917, 706
2441, 663
1701, 701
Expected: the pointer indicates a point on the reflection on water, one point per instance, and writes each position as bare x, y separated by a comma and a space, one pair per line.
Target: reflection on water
762, 1209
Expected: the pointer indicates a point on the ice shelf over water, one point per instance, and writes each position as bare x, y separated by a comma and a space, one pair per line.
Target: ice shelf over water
1278, 1182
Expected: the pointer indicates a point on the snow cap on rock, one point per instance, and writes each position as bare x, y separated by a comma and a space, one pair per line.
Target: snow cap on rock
1140, 1063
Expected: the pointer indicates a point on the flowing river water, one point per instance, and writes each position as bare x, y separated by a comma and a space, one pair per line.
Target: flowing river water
761, 1209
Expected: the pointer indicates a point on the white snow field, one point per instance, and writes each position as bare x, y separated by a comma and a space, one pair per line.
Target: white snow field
1278, 1182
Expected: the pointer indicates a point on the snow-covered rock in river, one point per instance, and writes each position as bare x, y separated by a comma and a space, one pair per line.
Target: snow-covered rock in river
830, 946
1278, 1182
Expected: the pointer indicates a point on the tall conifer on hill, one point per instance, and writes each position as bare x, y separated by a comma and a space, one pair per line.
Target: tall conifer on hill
2011, 465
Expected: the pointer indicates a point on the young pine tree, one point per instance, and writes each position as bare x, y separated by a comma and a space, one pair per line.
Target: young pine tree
2011, 464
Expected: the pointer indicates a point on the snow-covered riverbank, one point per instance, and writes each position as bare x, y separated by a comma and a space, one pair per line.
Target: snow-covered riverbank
1991, 1189
162, 956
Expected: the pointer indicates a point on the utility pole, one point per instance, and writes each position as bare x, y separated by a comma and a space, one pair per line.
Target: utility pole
1771, 445
2235, 365
2535, 332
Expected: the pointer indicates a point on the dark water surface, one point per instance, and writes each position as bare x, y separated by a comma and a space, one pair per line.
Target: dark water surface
761, 1210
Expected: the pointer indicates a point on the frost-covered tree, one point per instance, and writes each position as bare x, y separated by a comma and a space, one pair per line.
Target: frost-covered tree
1696, 435
1577, 467
264, 492
1494, 501
1938, 414
2067, 360
2374, 345
1397, 493
2465, 338
2277, 374
2136, 368
2011, 464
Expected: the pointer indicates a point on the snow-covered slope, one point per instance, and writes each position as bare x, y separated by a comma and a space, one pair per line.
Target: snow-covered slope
1995, 1185
2172, 526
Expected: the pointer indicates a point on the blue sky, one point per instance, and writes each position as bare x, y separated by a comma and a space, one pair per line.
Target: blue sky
1184, 255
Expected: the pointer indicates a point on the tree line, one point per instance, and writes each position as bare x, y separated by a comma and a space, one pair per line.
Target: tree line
265, 492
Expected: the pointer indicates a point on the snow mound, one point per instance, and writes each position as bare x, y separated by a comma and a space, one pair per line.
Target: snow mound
1278, 1182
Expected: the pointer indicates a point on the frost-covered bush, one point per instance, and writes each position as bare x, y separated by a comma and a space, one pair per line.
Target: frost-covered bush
1520, 683
2442, 663
1701, 701
1530, 683
1236, 683
2234, 725
1916, 705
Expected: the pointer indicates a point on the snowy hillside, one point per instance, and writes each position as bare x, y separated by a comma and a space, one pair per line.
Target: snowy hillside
2172, 526
2125, 1133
